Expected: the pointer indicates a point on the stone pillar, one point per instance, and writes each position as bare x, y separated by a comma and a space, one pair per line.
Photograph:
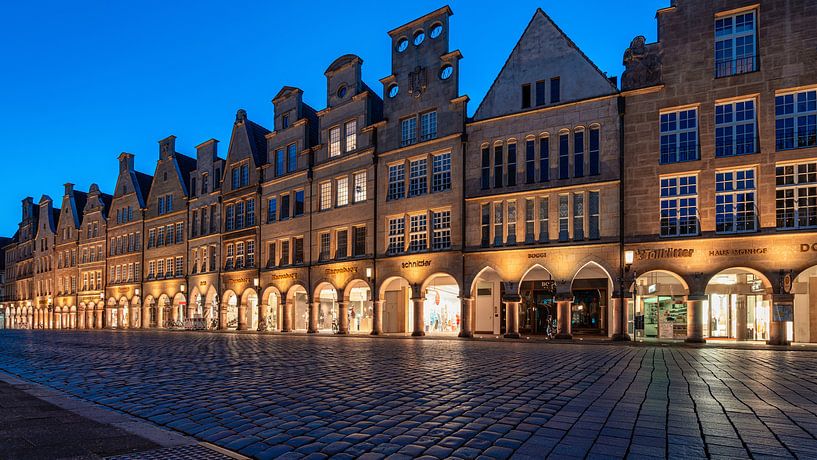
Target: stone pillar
312, 326
511, 302
99, 315
419, 324
286, 316
695, 318
191, 310
620, 307
145, 323
174, 313
466, 317
377, 317
160, 316
242, 317
615, 313
123, 322
262, 316
778, 334
741, 325
563, 307
343, 321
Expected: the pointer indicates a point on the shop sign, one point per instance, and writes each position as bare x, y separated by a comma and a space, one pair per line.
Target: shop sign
238, 280
416, 263
282, 276
739, 252
804, 247
339, 270
537, 255
663, 253
783, 311
202, 283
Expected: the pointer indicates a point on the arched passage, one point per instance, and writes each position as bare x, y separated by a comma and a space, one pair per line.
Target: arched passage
592, 288
124, 313
739, 305
270, 310
163, 310
804, 288
441, 306
660, 304
210, 308
358, 298
195, 308
112, 314
537, 289
297, 302
487, 290
248, 310
396, 295
152, 316
230, 308
179, 310
326, 299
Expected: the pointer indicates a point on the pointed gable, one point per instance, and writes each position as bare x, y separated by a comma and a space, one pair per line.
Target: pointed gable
73, 202
130, 180
248, 139
543, 52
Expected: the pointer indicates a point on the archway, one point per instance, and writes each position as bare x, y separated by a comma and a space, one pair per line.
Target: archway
441, 307
90, 314
195, 308
152, 312
164, 314
179, 309
271, 306
592, 288
72, 321
358, 298
804, 288
230, 310
57, 317
211, 308
124, 313
135, 312
738, 306
538, 291
660, 309
249, 305
112, 315
487, 290
396, 295
297, 298
326, 298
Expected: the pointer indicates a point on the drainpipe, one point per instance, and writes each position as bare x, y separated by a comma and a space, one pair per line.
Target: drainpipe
622, 304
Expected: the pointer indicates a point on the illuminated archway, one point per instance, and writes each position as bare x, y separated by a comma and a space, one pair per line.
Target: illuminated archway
396, 294
297, 299
738, 305
358, 298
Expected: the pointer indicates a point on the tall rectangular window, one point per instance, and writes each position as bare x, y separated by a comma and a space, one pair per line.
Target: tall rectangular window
334, 141
228, 217
205, 183
555, 90
564, 216
530, 221
271, 254
578, 216
325, 247
245, 178
530, 161
397, 235
595, 157
359, 241
544, 236
250, 212
564, 156
499, 214
359, 179
280, 163
540, 93
342, 198
350, 131
544, 159
179, 267
272, 210
735, 201
179, 233
441, 226
428, 126
239, 215
498, 162
578, 154
284, 260
511, 222
160, 237
235, 178
213, 219
151, 239
679, 136
593, 214
735, 44
511, 164
486, 168
239, 255
735, 128
325, 196
342, 244
299, 203
796, 120
526, 96
486, 225
418, 232
408, 131
397, 181
796, 195
298, 249
679, 206
417, 177
284, 214
194, 229
292, 158
250, 253
441, 172
212, 254
160, 205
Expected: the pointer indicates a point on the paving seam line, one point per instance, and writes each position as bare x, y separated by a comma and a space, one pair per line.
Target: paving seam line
162, 436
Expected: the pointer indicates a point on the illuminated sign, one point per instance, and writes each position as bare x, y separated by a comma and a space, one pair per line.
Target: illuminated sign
282, 276
416, 263
339, 270
537, 255
664, 253
738, 252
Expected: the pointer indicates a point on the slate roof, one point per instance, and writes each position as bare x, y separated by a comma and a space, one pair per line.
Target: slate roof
143, 182
258, 141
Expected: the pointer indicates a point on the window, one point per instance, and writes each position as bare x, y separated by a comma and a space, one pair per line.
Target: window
796, 120
417, 177
735, 44
160, 205
239, 215
526, 96
796, 194
543, 220
342, 192
299, 203
212, 254
250, 253
151, 269
169, 235
679, 136
595, 157
245, 175
593, 208
285, 121
498, 160
179, 267
511, 164
578, 153
160, 268
217, 181
735, 128
540, 93
271, 254
334, 141
564, 156
530, 221
212, 219
192, 186
195, 261
555, 90
486, 225
544, 159
280, 163
428, 126
272, 210
441, 172
408, 130
325, 247
441, 226
151, 238
397, 181
679, 206
205, 186
179, 232
578, 216
564, 215
236, 181
239, 255
350, 129
735, 201
486, 167
250, 212
511, 223
359, 241
499, 210
292, 158
160, 238
229, 217
284, 207
326, 196
418, 232
397, 235
342, 244
530, 161
298, 250
195, 227
228, 259
360, 187
284, 260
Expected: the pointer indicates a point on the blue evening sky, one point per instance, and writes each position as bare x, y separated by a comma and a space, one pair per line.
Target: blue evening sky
82, 81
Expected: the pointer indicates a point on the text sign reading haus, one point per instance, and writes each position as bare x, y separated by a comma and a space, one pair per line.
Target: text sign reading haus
739, 252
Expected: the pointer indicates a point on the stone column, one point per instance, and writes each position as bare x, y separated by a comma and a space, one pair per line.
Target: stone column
511, 302
419, 324
377, 317
615, 313
100, 314
563, 307
741, 325
312, 326
343, 321
145, 316
466, 317
286, 316
174, 313
262, 316
242, 317
160, 316
778, 335
123, 322
695, 318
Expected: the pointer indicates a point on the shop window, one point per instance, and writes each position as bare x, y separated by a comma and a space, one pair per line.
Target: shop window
679, 206
735, 128
796, 120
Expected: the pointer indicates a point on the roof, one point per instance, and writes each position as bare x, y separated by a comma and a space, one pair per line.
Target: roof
143, 182
343, 61
258, 141
285, 91
186, 166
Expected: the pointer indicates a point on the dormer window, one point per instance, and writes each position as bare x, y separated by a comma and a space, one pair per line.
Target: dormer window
342, 90
436, 30
285, 121
393, 90
419, 37
402, 44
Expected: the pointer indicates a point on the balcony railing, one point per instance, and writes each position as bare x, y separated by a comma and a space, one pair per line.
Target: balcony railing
729, 67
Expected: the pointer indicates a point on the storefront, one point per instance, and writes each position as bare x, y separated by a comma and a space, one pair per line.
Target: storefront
361, 310
441, 307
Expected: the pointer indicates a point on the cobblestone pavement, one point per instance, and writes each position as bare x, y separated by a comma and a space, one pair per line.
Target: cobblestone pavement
270, 396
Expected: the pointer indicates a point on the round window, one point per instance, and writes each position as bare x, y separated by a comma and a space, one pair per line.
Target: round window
393, 90
342, 91
446, 72
419, 37
436, 31
402, 44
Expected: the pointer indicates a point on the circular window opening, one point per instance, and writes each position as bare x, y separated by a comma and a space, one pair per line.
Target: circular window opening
393, 90
436, 30
446, 72
342, 91
419, 37
402, 44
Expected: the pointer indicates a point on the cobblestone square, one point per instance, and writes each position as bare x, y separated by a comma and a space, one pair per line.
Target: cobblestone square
268, 396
